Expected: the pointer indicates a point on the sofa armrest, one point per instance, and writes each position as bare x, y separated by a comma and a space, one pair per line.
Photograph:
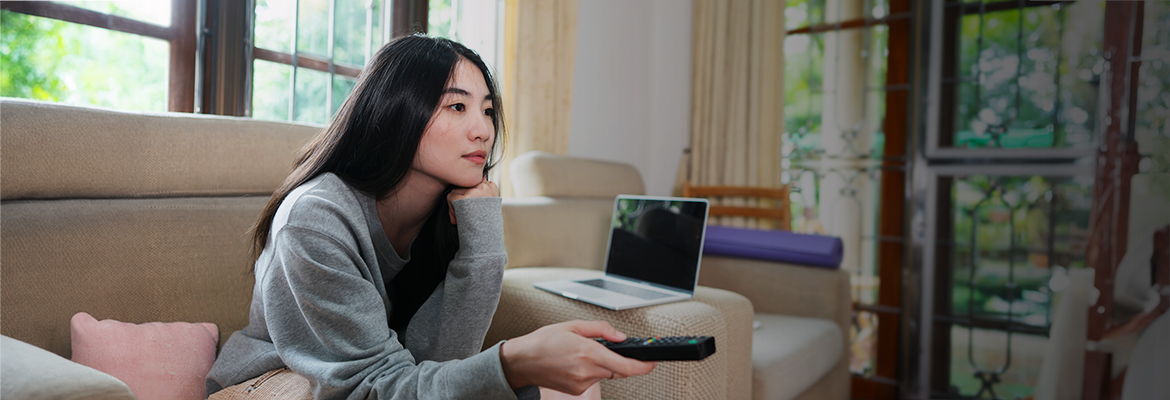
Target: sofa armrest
783, 289
33, 373
718, 313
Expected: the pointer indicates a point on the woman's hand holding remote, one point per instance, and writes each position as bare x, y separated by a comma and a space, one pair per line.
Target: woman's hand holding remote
563, 357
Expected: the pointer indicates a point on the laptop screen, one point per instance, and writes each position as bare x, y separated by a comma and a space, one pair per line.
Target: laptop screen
657, 240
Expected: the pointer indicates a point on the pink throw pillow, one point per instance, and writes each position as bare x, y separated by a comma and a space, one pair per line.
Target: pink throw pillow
156, 360
592, 393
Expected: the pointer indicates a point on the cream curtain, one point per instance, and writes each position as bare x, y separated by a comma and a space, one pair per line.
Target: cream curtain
737, 102
540, 41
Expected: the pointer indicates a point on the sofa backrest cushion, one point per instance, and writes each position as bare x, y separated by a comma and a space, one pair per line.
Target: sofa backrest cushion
556, 232
537, 173
58, 151
561, 214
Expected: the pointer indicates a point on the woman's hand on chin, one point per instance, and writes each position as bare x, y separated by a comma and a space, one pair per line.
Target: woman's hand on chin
485, 188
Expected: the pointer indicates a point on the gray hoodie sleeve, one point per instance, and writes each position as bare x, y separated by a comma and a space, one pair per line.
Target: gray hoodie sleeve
454, 320
328, 324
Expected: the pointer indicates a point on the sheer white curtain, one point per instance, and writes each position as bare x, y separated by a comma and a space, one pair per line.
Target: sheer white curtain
737, 105
540, 41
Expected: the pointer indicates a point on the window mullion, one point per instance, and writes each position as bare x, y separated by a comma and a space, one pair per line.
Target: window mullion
369, 29
249, 57
181, 82
387, 21
329, 56
292, 81
78, 15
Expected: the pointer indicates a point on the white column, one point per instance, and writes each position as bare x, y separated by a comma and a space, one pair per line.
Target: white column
845, 194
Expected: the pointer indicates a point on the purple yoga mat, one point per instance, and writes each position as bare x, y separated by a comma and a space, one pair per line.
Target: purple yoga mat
782, 246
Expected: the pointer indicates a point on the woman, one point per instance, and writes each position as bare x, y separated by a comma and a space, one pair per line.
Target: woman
379, 260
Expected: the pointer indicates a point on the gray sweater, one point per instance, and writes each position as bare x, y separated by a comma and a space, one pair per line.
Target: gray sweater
320, 305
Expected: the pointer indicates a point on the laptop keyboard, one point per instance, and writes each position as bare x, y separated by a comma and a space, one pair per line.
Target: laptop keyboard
628, 290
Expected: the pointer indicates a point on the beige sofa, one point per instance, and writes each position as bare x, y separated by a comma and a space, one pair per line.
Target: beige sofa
560, 219
142, 218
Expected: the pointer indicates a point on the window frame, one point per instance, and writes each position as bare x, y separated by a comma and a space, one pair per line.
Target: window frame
938, 157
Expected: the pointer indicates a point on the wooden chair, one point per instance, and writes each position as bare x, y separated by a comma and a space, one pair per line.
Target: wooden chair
781, 213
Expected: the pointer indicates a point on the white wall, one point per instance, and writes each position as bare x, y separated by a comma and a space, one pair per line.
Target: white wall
632, 85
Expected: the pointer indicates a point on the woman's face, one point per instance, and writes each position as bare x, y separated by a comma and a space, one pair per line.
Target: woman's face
455, 145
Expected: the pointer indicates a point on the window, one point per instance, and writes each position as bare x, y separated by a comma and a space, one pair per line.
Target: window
305, 65
1014, 235
846, 87
286, 60
1028, 94
135, 57
309, 84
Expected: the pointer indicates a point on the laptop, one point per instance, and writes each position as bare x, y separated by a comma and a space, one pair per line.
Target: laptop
652, 257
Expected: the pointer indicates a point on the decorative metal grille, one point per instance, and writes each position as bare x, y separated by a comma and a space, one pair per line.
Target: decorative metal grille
1013, 237
1151, 131
834, 160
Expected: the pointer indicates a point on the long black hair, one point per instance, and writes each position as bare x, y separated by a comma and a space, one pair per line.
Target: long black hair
371, 144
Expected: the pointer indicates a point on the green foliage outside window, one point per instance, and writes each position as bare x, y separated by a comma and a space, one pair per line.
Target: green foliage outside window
441, 20
1033, 79
29, 47
51, 60
270, 90
1013, 220
1152, 132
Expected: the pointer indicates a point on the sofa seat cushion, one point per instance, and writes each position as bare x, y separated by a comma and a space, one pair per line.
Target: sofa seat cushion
790, 354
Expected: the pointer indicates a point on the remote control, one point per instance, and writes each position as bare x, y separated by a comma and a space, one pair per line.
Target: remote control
671, 348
